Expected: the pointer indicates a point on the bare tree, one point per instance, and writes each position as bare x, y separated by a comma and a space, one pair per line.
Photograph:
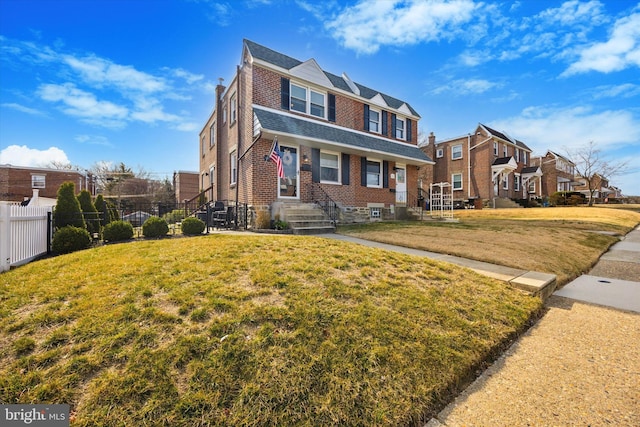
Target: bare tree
593, 168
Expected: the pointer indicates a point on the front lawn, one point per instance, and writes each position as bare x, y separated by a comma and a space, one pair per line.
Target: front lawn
248, 330
565, 241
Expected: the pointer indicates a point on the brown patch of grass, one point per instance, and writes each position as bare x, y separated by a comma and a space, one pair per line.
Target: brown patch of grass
561, 241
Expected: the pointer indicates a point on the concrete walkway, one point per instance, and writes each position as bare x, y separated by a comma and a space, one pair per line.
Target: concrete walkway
578, 366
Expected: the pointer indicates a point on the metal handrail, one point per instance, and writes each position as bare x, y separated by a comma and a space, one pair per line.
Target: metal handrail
322, 199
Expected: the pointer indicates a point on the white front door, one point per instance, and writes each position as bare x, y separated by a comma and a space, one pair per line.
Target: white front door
289, 185
401, 184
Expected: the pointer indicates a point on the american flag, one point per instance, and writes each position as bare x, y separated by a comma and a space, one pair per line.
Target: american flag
275, 156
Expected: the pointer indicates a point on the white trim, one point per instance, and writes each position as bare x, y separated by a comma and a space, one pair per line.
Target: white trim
454, 146
379, 112
453, 187
339, 168
439, 153
381, 178
379, 101
310, 71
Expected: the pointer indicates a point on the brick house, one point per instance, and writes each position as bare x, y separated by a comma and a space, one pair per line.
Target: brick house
557, 173
18, 182
186, 185
337, 139
487, 165
600, 185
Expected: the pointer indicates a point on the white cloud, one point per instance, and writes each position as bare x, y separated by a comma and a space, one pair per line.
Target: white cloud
21, 155
626, 90
466, 87
104, 72
93, 140
557, 129
23, 109
84, 105
374, 23
574, 12
621, 51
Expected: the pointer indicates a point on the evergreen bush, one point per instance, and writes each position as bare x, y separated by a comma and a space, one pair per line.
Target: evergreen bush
192, 226
67, 210
70, 239
89, 212
155, 227
117, 231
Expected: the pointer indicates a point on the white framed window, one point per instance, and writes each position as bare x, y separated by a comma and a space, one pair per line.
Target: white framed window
516, 182
505, 183
308, 101
329, 167
374, 121
233, 165
524, 157
439, 153
504, 150
233, 107
212, 135
375, 213
212, 172
224, 113
517, 154
203, 145
374, 173
532, 187
456, 180
38, 181
456, 152
400, 123
495, 148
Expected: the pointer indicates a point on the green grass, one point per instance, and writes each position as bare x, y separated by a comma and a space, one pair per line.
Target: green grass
248, 330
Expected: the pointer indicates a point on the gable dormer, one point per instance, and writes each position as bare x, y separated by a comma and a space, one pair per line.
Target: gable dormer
379, 101
310, 71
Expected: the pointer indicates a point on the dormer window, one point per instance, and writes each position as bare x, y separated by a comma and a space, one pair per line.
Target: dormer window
400, 134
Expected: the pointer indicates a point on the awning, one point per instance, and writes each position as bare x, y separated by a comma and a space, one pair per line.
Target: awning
327, 136
503, 166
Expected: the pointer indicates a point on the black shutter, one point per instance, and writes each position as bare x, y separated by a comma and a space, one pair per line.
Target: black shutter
332, 107
409, 136
345, 169
284, 93
385, 174
384, 123
393, 125
363, 171
315, 165
366, 117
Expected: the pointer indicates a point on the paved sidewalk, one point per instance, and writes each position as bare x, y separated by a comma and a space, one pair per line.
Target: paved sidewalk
578, 366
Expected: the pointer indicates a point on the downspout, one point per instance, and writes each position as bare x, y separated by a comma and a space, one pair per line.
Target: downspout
469, 158
238, 109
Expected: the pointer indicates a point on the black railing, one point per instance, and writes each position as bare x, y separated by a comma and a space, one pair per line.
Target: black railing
322, 199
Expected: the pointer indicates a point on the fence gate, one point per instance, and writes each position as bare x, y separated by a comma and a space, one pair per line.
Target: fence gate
24, 233
440, 200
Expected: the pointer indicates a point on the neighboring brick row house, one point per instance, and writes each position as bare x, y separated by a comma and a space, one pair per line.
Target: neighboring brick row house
487, 165
558, 173
336, 137
18, 182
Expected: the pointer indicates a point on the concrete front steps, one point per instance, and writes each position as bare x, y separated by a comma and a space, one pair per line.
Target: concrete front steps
502, 203
305, 218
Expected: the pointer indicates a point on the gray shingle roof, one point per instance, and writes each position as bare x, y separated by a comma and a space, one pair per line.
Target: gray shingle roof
283, 61
506, 137
276, 122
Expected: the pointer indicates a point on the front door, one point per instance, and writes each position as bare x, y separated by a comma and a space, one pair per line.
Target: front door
289, 185
401, 185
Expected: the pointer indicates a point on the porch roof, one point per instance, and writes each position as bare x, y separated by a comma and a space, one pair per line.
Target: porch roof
319, 135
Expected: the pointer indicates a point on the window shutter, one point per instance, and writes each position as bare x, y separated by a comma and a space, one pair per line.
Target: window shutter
315, 164
385, 174
332, 107
384, 123
284, 93
363, 171
366, 117
393, 125
345, 169
409, 135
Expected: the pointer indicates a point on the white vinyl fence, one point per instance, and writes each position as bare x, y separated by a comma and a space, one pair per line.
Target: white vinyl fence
24, 233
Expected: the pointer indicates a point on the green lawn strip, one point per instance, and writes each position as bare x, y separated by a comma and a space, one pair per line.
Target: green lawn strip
248, 330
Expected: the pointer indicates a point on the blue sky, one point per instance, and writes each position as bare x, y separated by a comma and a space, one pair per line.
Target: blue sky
133, 80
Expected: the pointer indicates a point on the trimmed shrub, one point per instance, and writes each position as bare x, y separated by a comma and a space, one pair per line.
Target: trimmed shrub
89, 212
70, 239
117, 231
67, 210
192, 226
174, 216
155, 227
